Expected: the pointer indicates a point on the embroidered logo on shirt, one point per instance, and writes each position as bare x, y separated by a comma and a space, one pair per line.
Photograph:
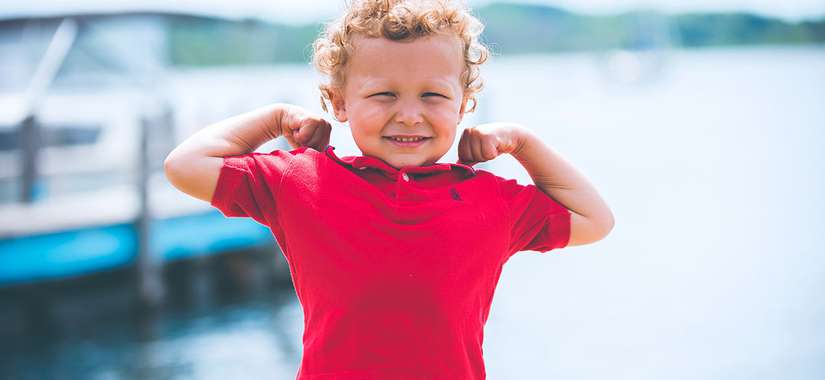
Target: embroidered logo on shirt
454, 194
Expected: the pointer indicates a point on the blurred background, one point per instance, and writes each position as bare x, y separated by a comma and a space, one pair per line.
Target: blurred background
701, 123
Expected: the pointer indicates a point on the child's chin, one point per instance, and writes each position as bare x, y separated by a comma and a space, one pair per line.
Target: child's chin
408, 162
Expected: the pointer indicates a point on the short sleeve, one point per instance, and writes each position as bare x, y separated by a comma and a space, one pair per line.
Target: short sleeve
537, 222
248, 185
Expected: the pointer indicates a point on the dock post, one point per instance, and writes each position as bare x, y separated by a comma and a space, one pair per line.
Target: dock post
30, 131
30, 140
150, 287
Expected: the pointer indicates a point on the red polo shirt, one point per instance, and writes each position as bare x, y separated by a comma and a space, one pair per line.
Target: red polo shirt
395, 269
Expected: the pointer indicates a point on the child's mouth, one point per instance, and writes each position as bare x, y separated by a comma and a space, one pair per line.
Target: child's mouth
409, 142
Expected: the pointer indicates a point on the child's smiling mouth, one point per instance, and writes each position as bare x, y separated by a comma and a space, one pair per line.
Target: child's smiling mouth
406, 140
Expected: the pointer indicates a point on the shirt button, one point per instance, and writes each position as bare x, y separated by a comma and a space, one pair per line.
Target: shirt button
405, 177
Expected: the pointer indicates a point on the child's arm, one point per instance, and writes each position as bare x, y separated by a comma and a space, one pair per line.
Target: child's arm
194, 165
591, 219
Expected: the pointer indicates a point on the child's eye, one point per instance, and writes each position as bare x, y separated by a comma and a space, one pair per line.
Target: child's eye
435, 94
385, 93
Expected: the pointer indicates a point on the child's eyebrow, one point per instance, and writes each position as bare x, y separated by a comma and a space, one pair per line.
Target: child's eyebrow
437, 83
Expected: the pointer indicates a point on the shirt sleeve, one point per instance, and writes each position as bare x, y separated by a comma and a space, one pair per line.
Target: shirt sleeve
248, 185
537, 222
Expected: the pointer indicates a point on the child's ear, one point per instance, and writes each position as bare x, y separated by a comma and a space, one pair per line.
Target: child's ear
339, 107
461, 111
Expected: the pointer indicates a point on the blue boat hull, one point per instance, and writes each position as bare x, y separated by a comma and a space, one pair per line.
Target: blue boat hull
87, 250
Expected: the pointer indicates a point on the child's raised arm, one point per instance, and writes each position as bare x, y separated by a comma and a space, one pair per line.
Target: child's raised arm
194, 165
590, 219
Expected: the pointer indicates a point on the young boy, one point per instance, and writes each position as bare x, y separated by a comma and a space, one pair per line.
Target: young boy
394, 257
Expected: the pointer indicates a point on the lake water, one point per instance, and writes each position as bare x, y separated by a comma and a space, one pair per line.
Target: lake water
715, 172
716, 176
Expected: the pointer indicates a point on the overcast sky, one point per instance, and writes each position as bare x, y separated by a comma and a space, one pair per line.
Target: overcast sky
311, 10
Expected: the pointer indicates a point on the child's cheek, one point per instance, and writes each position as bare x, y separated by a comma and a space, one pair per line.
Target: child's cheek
372, 116
445, 117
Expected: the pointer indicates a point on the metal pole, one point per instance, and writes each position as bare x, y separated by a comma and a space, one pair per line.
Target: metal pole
56, 53
151, 291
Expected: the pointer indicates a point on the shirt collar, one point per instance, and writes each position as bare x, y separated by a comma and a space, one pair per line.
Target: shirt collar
365, 162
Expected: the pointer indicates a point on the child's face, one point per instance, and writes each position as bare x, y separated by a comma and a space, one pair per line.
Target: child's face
403, 89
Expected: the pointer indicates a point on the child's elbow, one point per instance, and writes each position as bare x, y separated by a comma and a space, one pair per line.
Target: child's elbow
169, 166
607, 225
175, 170
587, 230
604, 226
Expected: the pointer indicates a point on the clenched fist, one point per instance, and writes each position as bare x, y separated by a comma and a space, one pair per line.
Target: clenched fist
302, 128
487, 141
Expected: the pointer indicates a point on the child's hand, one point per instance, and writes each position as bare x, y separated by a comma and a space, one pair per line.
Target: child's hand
487, 141
301, 128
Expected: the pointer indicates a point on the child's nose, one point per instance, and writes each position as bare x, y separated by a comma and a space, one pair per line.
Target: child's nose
409, 113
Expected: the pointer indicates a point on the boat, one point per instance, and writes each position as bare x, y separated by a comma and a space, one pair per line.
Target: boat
88, 112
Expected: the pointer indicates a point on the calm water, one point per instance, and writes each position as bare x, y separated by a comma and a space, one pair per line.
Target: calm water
716, 177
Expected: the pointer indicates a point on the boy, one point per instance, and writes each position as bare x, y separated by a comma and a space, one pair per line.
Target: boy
394, 257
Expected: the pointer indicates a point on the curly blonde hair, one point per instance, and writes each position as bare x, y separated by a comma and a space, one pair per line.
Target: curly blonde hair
399, 20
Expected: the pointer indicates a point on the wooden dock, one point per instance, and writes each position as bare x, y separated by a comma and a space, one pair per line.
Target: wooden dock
88, 232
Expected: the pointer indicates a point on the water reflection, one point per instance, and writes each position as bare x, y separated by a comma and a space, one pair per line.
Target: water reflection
222, 320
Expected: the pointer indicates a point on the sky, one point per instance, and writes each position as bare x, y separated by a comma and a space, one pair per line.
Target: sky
299, 11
